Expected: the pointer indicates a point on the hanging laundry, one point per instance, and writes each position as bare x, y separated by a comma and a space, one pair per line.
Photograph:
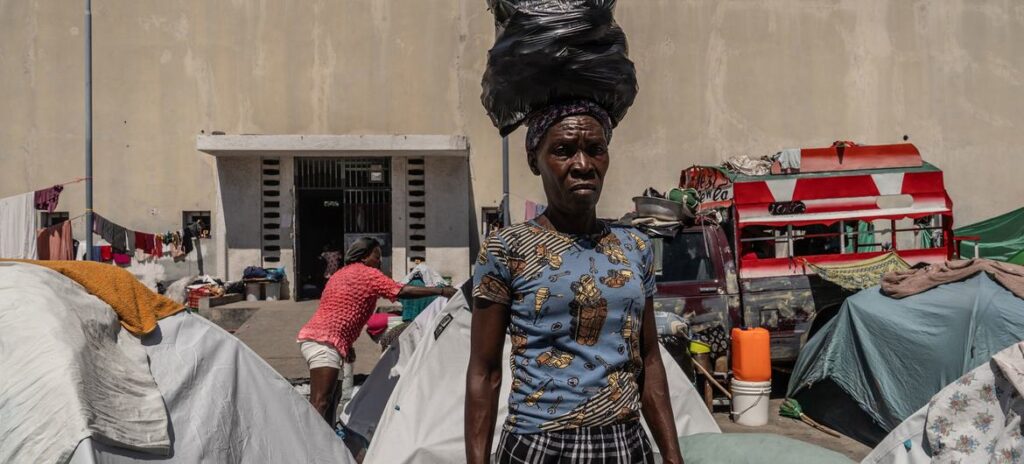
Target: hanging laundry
56, 242
187, 235
116, 235
531, 210
46, 199
145, 242
106, 253
158, 247
129, 241
18, 227
122, 259
177, 253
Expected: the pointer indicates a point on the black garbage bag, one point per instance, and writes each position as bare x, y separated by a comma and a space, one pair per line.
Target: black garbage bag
547, 51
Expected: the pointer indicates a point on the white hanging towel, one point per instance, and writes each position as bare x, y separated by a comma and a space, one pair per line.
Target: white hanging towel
18, 227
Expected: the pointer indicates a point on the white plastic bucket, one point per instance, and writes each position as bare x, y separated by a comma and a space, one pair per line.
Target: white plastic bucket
750, 402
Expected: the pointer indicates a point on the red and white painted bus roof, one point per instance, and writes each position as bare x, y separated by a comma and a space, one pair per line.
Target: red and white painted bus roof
838, 187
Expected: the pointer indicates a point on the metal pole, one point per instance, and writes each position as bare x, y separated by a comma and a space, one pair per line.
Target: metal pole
88, 130
506, 219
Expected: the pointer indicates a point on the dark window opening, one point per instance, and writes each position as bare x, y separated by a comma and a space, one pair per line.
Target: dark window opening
54, 218
190, 217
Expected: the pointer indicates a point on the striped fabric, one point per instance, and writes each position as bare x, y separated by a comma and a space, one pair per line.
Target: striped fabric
613, 444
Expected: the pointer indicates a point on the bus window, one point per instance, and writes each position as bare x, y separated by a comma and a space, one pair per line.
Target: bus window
685, 258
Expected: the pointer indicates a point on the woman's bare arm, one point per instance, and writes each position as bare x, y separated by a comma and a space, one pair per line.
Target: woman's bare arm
657, 406
483, 377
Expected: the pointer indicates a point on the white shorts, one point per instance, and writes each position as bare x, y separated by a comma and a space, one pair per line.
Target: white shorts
320, 355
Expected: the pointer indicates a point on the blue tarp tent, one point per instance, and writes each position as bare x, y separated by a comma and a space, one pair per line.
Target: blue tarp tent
880, 359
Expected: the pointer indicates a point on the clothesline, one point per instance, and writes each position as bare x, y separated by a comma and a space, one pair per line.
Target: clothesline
75, 181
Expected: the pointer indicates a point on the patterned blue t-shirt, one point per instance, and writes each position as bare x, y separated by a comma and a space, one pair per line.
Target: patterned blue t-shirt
576, 306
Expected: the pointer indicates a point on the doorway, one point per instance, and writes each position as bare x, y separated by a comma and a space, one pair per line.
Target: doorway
338, 201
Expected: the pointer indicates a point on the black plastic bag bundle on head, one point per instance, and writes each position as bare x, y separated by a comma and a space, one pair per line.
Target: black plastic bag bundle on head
548, 51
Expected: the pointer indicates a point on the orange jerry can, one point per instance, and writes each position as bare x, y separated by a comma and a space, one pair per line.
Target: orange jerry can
751, 355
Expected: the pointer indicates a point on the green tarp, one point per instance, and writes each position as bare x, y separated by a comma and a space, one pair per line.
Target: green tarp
1002, 237
890, 356
754, 448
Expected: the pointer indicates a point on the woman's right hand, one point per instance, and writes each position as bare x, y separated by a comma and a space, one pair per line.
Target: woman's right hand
448, 292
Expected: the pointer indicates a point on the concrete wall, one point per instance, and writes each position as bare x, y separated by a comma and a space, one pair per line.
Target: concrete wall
718, 78
448, 217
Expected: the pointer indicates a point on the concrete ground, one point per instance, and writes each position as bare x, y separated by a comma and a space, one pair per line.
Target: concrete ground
271, 329
270, 332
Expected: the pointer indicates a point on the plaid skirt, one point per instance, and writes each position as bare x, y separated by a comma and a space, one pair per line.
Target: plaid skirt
611, 444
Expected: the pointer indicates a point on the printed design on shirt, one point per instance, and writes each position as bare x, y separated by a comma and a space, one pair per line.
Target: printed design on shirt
631, 333
616, 402
516, 264
555, 358
574, 330
611, 246
641, 244
554, 407
551, 260
554, 278
588, 309
539, 299
537, 248
533, 398
617, 278
518, 340
492, 288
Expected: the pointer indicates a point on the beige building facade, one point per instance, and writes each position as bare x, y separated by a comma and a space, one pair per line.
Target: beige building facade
718, 78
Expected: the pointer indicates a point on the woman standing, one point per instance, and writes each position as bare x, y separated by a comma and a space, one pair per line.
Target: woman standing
348, 301
576, 295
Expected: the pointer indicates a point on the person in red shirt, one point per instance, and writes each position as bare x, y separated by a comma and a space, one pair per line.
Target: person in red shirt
348, 301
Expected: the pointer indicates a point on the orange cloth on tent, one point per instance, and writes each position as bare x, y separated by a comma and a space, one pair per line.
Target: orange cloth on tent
136, 306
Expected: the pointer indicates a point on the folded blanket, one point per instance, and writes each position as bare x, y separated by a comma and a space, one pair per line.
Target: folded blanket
137, 307
901, 284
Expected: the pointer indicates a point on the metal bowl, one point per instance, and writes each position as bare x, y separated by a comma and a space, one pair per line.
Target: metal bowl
660, 208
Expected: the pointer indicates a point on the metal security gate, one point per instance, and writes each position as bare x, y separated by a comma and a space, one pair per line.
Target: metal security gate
339, 200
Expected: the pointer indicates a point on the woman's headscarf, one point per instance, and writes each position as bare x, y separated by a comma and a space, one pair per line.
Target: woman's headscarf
360, 250
539, 123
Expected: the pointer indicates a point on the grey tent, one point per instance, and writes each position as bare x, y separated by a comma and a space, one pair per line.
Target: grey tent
881, 359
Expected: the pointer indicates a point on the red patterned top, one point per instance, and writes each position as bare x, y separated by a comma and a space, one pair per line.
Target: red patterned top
347, 303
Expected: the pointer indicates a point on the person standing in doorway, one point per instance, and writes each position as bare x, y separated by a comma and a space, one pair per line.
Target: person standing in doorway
331, 258
346, 305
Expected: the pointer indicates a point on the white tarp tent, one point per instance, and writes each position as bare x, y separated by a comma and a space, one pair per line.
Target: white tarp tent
423, 420
226, 404
69, 371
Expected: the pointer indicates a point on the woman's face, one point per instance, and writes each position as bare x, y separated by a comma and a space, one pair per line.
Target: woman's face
373, 260
572, 160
